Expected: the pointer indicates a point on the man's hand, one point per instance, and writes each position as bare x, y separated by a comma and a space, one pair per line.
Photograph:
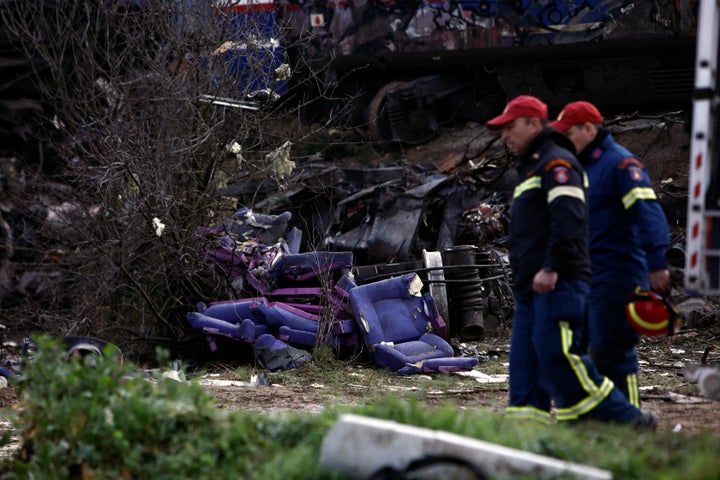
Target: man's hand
544, 282
660, 280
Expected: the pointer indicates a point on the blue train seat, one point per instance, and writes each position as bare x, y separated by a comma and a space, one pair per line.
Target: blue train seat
402, 328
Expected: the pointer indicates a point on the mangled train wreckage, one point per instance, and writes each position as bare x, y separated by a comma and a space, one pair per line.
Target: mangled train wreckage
404, 68
419, 249
319, 298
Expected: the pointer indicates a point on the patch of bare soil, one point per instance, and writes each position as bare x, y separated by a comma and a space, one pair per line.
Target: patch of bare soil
8, 396
667, 392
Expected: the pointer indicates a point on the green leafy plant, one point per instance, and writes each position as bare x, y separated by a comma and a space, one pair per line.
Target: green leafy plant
93, 417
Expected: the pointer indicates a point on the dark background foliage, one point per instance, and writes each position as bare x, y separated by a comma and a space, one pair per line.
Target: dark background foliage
118, 136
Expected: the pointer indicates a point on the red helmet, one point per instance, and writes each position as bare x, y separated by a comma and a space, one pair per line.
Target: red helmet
651, 315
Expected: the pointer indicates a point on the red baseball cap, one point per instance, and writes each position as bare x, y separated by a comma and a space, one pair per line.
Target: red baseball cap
521, 106
575, 113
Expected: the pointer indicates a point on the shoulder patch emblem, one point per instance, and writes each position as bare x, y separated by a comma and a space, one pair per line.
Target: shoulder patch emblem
561, 175
635, 173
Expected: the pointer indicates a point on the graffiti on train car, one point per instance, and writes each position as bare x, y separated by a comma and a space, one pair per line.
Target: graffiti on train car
416, 65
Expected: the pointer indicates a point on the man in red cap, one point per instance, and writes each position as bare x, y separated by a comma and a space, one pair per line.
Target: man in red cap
628, 241
551, 273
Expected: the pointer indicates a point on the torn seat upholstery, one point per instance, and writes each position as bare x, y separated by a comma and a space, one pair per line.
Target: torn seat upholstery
402, 328
240, 319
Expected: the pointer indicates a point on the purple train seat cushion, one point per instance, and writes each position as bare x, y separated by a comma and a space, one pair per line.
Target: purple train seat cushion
394, 310
399, 326
303, 266
299, 326
245, 330
235, 310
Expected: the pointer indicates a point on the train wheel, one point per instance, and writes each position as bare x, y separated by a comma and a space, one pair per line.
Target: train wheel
378, 118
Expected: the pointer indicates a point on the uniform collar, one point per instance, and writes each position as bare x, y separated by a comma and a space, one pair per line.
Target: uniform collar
594, 149
535, 149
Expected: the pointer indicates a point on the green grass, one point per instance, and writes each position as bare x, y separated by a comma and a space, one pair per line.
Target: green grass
96, 417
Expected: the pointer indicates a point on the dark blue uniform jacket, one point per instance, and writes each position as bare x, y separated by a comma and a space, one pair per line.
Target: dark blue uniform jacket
628, 228
548, 215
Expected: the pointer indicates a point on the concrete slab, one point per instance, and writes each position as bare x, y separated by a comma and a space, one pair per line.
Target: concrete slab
359, 446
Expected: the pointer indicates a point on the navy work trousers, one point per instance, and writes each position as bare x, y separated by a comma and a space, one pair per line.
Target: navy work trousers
547, 363
611, 339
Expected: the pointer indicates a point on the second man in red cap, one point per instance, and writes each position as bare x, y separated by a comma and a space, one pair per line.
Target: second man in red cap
628, 241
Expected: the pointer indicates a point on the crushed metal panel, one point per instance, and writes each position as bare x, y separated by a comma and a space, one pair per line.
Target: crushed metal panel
447, 233
393, 235
354, 240
373, 273
353, 218
373, 176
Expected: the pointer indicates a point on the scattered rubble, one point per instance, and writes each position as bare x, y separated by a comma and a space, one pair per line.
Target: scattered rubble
411, 211
393, 217
312, 298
